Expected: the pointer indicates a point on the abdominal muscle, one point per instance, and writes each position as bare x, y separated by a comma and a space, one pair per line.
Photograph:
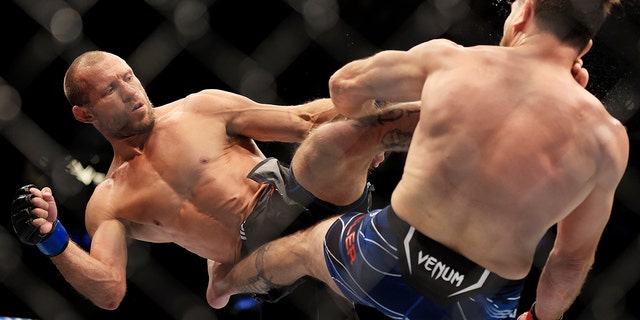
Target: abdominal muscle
201, 209
213, 235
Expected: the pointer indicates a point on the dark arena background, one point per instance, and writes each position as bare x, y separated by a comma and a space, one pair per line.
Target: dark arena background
275, 51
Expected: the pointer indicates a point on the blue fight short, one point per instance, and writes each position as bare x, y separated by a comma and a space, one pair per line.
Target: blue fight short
379, 260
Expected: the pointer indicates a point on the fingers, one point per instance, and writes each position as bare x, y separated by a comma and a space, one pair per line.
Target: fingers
44, 206
41, 211
583, 77
577, 67
45, 226
45, 192
377, 160
580, 74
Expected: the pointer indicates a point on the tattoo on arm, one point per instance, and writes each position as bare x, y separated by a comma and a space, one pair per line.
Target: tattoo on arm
397, 126
399, 137
396, 140
261, 283
390, 115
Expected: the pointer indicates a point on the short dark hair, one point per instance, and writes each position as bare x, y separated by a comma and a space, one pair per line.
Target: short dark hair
573, 21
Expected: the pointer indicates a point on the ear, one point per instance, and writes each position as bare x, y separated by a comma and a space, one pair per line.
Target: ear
524, 17
586, 48
82, 114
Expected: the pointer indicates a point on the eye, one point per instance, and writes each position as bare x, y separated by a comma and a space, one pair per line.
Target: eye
128, 77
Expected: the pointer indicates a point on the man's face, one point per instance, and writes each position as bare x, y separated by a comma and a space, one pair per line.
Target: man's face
117, 100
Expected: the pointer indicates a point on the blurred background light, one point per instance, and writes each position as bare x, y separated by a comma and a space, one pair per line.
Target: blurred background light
279, 51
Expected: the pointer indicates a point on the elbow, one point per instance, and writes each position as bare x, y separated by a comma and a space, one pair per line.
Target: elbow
334, 81
336, 90
110, 299
334, 86
347, 101
108, 305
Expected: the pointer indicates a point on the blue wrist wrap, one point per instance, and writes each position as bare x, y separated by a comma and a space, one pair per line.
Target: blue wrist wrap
56, 242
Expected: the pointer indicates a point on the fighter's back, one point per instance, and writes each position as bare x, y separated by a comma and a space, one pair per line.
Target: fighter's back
503, 146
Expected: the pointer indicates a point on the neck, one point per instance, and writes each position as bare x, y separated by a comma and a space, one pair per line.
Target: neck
130, 147
547, 48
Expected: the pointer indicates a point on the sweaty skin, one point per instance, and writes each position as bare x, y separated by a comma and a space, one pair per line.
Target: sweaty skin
509, 143
489, 171
179, 171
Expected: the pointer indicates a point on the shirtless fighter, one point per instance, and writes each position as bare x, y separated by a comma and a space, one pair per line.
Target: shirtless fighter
189, 172
507, 146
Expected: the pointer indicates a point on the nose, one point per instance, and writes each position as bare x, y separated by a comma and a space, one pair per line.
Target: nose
128, 91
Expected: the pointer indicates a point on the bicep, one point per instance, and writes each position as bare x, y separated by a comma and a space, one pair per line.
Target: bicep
389, 75
109, 244
245, 117
274, 123
108, 234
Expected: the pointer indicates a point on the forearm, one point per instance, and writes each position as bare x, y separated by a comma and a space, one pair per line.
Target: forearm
349, 101
90, 277
388, 76
559, 285
320, 111
100, 276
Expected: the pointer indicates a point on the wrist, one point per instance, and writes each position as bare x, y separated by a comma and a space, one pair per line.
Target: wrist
55, 242
532, 311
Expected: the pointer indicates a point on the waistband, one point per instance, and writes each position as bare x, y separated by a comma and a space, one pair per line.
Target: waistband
440, 273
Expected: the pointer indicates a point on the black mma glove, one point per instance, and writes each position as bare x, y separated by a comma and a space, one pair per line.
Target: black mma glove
52, 243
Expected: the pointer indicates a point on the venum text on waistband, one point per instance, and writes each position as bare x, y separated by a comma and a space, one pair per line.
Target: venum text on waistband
439, 270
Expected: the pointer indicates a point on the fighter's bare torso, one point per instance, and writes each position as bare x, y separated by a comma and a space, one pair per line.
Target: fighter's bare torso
186, 185
472, 168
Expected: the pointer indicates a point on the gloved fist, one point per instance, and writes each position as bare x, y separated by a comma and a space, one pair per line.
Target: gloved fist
22, 217
53, 241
